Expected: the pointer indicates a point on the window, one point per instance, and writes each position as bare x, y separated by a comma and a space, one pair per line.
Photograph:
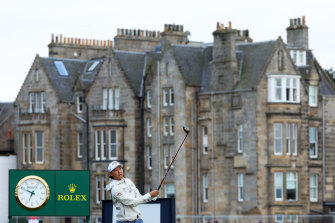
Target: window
171, 126
106, 144
168, 96
278, 139
204, 140
166, 125
110, 98
331, 210
291, 186
169, 190
149, 99
240, 139
113, 144
288, 138
80, 104
80, 145
240, 184
205, 187
168, 155
312, 96
294, 139
61, 68
36, 102
39, 150
27, 142
97, 189
149, 127
279, 218
279, 186
313, 187
103, 190
283, 88
148, 186
299, 57
292, 219
149, 157
313, 142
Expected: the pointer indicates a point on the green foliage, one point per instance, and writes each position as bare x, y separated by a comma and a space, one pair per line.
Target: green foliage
331, 74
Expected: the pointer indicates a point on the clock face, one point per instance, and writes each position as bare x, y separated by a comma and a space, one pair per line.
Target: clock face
32, 192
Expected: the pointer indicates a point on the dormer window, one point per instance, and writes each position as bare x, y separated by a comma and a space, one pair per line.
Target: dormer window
299, 57
61, 68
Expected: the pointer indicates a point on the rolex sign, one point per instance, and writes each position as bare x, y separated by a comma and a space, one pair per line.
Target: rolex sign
49, 193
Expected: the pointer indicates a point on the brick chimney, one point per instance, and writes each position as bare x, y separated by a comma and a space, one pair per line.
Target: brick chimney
224, 65
297, 33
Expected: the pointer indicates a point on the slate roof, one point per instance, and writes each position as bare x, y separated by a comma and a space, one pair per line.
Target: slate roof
132, 64
6, 111
193, 62
254, 57
64, 84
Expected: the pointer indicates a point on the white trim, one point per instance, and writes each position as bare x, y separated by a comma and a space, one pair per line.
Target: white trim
240, 139
79, 144
204, 140
312, 96
110, 144
295, 174
149, 157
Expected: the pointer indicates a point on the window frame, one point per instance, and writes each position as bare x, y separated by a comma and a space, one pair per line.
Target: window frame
166, 156
80, 104
240, 138
39, 147
149, 127
283, 88
313, 187
278, 139
312, 96
240, 184
149, 157
111, 144
80, 145
167, 190
204, 140
205, 187
165, 125
295, 180
315, 142
149, 99
279, 185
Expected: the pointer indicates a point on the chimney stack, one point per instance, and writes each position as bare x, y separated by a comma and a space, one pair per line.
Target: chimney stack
297, 33
224, 58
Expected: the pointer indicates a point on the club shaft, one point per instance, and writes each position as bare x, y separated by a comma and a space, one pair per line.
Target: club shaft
172, 162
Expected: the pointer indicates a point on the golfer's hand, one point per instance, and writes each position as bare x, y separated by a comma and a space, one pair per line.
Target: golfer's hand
154, 193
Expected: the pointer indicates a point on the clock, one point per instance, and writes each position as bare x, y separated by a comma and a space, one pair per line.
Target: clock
32, 192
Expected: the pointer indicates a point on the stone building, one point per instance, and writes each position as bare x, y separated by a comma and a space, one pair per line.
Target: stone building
260, 115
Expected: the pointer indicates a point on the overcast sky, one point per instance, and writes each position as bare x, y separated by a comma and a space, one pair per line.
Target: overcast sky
26, 25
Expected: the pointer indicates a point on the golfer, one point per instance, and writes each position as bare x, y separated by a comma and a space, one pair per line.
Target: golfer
125, 195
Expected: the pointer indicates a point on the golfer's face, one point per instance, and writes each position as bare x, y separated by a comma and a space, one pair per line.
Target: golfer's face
117, 173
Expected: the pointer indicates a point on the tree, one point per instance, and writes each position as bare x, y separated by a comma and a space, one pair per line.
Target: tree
331, 74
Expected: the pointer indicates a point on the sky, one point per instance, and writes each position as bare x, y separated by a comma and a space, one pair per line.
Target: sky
26, 26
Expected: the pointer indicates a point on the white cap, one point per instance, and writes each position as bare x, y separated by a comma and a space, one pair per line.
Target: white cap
113, 165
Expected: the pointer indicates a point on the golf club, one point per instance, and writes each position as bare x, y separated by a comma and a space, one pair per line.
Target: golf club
186, 130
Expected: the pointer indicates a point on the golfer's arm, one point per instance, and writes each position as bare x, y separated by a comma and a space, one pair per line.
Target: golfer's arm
131, 201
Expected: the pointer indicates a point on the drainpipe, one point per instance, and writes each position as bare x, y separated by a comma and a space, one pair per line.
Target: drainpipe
323, 149
87, 138
141, 174
158, 122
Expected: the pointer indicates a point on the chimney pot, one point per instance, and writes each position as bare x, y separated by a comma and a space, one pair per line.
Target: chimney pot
303, 20
299, 21
56, 39
60, 38
52, 38
182, 28
229, 24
